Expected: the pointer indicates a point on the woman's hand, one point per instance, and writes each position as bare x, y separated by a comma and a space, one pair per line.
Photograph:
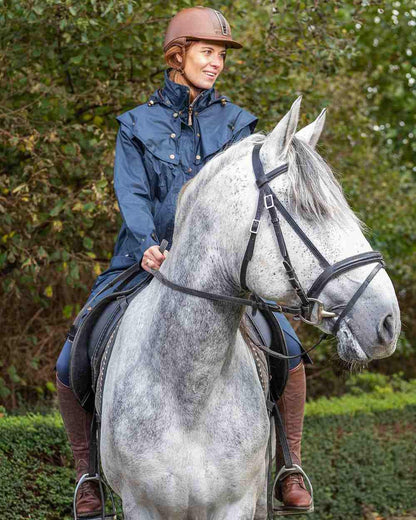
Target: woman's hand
153, 258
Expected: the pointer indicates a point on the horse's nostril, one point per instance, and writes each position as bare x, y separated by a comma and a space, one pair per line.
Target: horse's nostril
385, 330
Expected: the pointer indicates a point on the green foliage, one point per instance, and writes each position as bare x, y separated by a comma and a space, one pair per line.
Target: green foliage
35, 474
381, 398
361, 464
379, 383
361, 460
70, 67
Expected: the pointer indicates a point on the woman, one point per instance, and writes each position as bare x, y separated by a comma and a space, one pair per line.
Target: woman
160, 145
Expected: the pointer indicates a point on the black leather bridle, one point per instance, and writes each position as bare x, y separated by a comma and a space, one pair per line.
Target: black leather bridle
308, 300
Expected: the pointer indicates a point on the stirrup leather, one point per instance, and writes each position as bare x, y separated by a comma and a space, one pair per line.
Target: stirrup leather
103, 487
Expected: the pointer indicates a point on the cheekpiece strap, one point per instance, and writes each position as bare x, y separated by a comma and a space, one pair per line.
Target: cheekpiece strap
260, 178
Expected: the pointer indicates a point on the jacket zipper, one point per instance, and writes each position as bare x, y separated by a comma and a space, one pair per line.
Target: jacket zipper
191, 108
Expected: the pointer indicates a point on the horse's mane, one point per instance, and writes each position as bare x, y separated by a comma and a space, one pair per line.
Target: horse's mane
314, 192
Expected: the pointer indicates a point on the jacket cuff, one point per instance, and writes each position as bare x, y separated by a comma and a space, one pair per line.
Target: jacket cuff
149, 241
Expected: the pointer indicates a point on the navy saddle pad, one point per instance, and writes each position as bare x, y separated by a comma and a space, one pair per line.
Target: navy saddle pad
93, 334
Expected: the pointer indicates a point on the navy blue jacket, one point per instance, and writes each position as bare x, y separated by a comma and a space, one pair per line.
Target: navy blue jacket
157, 151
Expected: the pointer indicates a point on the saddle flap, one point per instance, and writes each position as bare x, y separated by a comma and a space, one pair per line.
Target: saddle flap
270, 334
92, 335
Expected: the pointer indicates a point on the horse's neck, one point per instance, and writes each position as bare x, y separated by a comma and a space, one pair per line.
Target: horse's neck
195, 264
195, 338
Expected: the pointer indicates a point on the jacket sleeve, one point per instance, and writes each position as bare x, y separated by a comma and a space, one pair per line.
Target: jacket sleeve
132, 184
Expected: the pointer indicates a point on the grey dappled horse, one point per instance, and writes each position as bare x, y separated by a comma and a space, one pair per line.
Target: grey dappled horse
184, 420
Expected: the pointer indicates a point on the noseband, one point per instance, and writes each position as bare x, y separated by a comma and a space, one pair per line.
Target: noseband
308, 300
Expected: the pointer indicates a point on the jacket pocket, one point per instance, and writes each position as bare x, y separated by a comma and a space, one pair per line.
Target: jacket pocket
165, 174
161, 171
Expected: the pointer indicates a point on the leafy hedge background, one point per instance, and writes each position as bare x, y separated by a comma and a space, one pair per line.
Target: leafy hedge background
69, 67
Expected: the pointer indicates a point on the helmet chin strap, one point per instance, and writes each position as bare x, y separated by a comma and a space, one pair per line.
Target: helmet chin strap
181, 71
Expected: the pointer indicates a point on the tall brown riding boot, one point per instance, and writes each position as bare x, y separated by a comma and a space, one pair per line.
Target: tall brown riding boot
77, 424
292, 490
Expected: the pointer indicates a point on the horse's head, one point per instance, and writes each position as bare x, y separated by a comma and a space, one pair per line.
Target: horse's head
311, 194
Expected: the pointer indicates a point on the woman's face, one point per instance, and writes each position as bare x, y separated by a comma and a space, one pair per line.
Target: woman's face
204, 63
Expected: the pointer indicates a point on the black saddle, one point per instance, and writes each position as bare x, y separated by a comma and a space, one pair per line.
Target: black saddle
268, 332
93, 335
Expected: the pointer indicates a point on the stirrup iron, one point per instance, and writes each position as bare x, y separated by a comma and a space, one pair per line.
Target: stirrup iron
103, 486
288, 510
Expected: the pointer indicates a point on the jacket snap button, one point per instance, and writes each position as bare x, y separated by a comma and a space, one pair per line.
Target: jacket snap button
173, 136
198, 157
172, 156
151, 102
175, 114
189, 170
198, 135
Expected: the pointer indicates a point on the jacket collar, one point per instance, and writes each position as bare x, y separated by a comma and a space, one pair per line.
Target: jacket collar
177, 96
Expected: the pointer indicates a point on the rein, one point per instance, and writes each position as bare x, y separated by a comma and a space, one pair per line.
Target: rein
256, 303
308, 300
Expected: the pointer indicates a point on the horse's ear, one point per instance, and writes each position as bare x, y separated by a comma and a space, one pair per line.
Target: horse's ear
311, 133
278, 141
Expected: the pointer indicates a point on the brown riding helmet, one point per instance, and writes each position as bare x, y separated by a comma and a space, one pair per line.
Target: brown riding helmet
199, 23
